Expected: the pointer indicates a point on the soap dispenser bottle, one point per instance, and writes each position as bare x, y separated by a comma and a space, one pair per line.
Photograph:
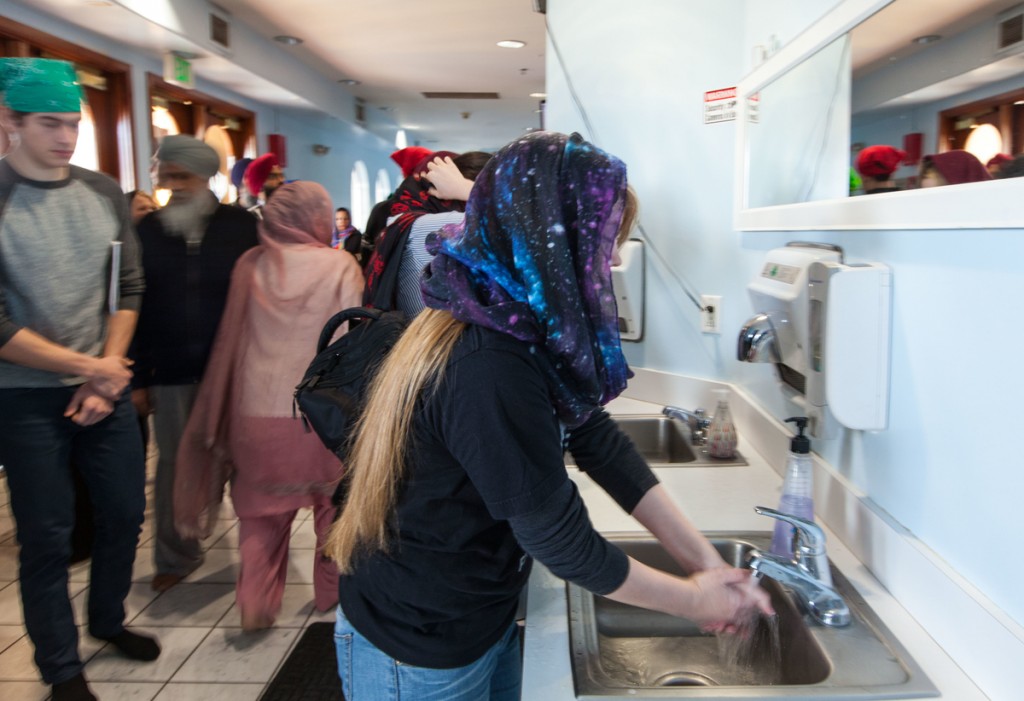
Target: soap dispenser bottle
797, 489
721, 432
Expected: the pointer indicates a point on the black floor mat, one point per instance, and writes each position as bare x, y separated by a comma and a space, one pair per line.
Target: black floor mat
311, 671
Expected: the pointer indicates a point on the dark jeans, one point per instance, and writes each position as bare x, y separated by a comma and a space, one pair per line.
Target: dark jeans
38, 447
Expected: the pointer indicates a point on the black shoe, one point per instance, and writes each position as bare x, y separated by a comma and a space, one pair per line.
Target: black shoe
135, 646
74, 689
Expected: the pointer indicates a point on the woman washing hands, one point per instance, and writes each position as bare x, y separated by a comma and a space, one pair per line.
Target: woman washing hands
457, 477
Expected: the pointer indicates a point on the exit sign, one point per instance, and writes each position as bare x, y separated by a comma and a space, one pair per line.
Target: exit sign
178, 70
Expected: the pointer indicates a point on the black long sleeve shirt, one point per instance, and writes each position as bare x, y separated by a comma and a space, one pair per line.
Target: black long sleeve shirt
485, 488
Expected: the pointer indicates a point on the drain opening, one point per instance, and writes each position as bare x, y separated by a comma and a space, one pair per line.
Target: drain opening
684, 679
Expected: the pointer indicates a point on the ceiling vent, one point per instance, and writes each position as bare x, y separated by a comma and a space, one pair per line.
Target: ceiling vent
220, 29
1010, 31
461, 95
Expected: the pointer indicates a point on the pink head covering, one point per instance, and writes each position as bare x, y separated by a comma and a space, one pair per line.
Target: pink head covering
957, 167
282, 293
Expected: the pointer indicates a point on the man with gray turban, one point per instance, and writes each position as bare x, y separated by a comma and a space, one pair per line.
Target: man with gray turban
188, 250
67, 312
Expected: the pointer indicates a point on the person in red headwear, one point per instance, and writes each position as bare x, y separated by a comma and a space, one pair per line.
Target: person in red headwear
996, 163
407, 159
262, 177
876, 164
952, 168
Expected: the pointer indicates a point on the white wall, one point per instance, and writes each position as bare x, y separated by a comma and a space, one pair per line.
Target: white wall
302, 128
946, 468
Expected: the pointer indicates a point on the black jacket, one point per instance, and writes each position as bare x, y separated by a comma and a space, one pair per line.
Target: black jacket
186, 291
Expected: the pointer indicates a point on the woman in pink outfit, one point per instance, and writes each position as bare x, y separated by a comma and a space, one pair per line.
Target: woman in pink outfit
242, 428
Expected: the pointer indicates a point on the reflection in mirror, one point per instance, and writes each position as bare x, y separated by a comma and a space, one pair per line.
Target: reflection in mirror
926, 76
934, 77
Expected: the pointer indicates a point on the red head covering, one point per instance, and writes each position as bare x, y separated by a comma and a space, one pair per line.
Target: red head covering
421, 167
408, 157
257, 172
998, 160
879, 161
957, 167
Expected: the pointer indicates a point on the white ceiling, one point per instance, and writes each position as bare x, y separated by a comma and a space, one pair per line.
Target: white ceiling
889, 35
399, 49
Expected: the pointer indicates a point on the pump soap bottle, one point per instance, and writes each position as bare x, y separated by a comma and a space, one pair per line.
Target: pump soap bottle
797, 489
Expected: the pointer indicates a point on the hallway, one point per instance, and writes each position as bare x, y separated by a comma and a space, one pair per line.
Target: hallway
205, 654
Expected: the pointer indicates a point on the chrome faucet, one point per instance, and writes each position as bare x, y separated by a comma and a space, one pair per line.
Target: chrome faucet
807, 574
697, 420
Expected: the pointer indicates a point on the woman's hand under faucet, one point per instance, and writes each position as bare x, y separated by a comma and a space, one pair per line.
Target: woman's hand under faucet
736, 594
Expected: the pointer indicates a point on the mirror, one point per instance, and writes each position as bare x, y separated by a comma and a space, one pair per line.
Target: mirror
855, 78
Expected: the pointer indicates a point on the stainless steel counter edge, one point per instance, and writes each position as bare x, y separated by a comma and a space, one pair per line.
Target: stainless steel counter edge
718, 498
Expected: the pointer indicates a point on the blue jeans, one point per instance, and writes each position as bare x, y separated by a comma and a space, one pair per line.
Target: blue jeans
38, 448
367, 674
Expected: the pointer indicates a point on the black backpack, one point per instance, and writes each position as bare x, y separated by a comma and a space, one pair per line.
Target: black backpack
333, 391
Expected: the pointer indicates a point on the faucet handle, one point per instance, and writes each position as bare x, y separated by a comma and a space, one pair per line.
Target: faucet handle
812, 537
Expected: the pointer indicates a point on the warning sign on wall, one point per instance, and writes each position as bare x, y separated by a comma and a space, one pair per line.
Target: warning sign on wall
720, 105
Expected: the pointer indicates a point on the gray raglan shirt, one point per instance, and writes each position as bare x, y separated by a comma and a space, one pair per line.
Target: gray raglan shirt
55, 259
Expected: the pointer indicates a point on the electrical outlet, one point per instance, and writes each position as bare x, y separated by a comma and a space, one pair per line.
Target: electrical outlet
710, 313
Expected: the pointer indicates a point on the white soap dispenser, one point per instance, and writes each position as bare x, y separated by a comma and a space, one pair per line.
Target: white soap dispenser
797, 489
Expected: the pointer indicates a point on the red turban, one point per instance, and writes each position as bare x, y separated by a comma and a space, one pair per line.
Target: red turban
257, 172
879, 161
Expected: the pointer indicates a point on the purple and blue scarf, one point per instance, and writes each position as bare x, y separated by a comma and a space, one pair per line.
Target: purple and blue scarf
533, 260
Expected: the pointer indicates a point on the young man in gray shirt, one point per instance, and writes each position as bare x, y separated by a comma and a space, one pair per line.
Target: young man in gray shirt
67, 315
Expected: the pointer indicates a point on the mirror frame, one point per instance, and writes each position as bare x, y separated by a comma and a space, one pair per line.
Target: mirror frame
987, 205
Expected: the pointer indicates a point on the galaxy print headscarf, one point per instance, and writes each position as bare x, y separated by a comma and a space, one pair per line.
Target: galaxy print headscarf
533, 260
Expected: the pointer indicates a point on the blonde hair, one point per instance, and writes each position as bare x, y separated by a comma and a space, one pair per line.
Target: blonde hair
376, 465
377, 462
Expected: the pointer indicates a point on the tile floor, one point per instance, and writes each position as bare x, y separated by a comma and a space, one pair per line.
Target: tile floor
205, 655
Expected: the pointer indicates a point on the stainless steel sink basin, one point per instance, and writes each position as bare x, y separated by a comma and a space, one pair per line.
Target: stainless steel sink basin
665, 442
623, 652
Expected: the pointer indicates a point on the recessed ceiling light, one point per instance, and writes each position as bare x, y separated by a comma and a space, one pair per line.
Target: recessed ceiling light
287, 40
928, 39
350, 81
539, 95
511, 44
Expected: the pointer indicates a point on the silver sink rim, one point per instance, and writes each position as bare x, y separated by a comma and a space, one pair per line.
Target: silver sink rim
917, 685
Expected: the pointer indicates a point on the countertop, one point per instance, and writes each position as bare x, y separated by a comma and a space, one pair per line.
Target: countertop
716, 499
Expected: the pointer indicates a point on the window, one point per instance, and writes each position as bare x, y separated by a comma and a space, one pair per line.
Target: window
360, 195
381, 188
86, 155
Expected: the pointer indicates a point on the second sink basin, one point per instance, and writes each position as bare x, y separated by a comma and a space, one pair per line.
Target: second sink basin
665, 442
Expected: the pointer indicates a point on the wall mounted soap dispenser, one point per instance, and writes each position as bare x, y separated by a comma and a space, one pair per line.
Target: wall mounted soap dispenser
825, 327
628, 283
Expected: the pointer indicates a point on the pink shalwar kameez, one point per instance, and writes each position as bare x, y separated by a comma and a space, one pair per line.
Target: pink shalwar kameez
242, 428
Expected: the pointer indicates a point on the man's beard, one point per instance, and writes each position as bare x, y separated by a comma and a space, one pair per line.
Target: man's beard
186, 217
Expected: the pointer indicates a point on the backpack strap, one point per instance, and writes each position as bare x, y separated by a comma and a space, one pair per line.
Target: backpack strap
340, 318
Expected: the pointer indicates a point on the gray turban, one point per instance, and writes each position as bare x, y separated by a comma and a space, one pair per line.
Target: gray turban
190, 153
